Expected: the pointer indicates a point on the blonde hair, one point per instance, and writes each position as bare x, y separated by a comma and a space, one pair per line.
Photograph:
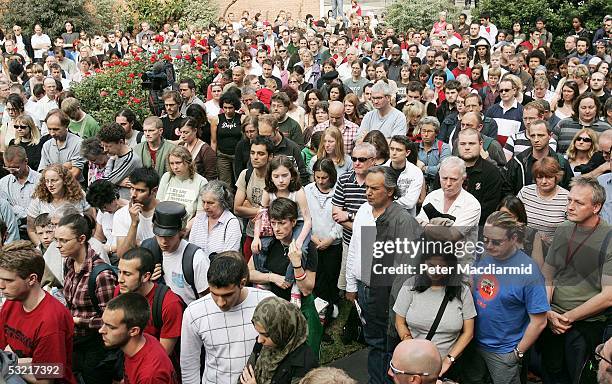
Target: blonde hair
182, 153
412, 109
338, 154
508, 222
572, 151
34, 132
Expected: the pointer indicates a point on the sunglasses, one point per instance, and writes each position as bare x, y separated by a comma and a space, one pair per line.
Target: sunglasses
400, 372
360, 159
584, 139
21, 127
599, 357
494, 242
506, 90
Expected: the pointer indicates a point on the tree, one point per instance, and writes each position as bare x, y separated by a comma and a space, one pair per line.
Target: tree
200, 13
157, 12
51, 14
404, 14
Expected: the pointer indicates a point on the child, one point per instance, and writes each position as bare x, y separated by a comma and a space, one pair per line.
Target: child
282, 180
311, 150
44, 230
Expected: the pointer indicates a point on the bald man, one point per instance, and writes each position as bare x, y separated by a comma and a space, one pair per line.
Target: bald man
337, 119
604, 371
415, 359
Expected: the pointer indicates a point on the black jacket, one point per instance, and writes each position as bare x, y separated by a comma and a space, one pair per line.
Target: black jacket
294, 365
518, 170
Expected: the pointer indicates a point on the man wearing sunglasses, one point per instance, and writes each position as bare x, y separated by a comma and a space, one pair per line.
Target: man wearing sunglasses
508, 113
415, 357
603, 354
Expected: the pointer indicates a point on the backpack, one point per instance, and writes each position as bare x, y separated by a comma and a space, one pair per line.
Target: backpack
187, 262
158, 300
91, 282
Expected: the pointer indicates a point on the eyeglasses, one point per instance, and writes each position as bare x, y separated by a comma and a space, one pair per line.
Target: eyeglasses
24, 127
282, 50
400, 372
64, 241
495, 242
598, 356
584, 139
360, 159
506, 90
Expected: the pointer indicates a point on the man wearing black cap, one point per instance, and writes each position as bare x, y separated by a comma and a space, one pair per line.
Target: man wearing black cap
187, 281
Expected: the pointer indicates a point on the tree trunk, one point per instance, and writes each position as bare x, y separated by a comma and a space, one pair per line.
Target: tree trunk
232, 2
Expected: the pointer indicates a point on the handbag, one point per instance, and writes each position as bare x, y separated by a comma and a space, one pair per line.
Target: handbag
265, 229
434, 326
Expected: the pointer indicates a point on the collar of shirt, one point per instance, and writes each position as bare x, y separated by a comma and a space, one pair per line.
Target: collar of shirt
514, 105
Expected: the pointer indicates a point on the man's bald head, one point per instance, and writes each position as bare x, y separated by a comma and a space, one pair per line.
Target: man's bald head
335, 112
336, 106
605, 140
471, 120
417, 356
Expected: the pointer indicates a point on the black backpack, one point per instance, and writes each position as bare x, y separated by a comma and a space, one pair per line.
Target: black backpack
91, 282
187, 264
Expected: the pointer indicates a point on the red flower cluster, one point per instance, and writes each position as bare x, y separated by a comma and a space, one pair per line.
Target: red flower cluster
159, 38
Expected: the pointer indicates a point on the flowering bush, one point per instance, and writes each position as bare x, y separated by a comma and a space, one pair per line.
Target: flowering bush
119, 84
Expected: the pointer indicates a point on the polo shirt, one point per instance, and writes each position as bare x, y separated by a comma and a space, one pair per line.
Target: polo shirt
349, 196
363, 218
393, 123
509, 121
70, 151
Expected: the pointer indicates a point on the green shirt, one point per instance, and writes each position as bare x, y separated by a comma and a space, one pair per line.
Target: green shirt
87, 127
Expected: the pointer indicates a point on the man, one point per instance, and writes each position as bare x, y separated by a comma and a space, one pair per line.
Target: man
47, 102
519, 142
534, 42
599, 163
518, 171
597, 83
604, 371
441, 62
448, 107
40, 43
134, 222
122, 160
490, 150
395, 63
290, 128
36, 326
267, 67
268, 127
23, 43
238, 76
605, 181
169, 223
172, 120
124, 322
508, 113
462, 64
570, 45
187, 88
340, 57
377, 53
488, 30
153, 152
578, 287
349, 195
484, 179
67, 65
18, 186
336, 119
345, 69
415, 358
145, 30
384, 117
136, 268
473, 103
370, 288
56, 73
582, 54
63, 147
515, 67
227, 310
81, 123
545, 36
500, 345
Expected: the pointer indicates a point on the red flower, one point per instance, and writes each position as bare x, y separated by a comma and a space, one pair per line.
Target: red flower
98, 70
129, 81
138, 49
198, 59
125, 63
132, 75
121, 93
103, 93
167, 57
199, 75
137, 58
153, 59
159, 38
160, 51
199, 67
187, 57
178, 57
135, 100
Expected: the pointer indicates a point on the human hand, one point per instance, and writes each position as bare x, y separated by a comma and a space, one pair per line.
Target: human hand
279, 281
295, 253
256, 245
157, 272
248, 375
135, 210
558, 323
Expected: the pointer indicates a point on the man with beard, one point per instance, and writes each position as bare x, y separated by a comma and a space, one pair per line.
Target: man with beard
124, 321
134, 222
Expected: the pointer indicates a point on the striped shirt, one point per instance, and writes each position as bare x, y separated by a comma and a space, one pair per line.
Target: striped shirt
520, 142
509, 121
349, 196
567, 129
120, 167
544, 215
224, 236
228, 338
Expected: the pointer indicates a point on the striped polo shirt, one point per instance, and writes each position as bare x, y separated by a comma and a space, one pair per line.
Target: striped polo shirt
509, 121
349, 196
520, 142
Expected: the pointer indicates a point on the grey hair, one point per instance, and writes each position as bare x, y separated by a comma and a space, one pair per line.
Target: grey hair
454, 162
390, 179
247, 90
429, 120
599, 193
64, 210
222, 193
382, 87
91, 147
369, 148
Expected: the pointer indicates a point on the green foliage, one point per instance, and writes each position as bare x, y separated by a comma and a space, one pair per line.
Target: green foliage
557, 13
404, 14
51, 14
200, 13
158, 12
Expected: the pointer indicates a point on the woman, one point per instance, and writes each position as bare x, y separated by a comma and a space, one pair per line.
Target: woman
212, 106
351, 108
478, 77
414, 111
545, 202
332, 147
404, 80
585, 115
284, 74
378, 140
181, 183
423, 74
581, 149
336, 92
517, 33
216, 229
439, 25
56, 187
202, 154
243, 148
91, 359
281, 354
225, 135
295, 111
311, 99
529, 241
84, 71
421, 297
565, 103
92, 151
371, 71
202, 121
581, 77
14, 108
27, 136
431, 150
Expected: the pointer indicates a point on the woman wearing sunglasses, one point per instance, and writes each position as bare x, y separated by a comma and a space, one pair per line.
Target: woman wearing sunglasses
27, 136
581, 149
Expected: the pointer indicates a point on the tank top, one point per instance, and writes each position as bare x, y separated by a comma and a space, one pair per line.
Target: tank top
229, 134
293, 197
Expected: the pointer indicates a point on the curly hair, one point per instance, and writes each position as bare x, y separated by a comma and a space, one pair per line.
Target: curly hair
101, 193
72, 190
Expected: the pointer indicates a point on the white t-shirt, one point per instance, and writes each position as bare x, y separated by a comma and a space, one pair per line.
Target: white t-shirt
42, 39
105, 220
172, 266
122, 221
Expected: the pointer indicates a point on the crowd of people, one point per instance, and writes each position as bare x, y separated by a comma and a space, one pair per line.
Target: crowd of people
236, 222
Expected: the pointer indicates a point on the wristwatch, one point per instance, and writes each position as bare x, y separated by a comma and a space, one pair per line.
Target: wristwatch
451, 358
351, 216
518, 353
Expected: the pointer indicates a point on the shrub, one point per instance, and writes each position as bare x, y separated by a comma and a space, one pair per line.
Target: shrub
404, 14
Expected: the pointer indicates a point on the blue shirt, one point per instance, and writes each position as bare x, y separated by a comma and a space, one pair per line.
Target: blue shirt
504, 302
606, 182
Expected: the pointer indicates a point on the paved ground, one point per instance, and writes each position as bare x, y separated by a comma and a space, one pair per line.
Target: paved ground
356, 365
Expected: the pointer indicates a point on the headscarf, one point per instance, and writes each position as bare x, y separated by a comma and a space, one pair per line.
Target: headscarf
286, 326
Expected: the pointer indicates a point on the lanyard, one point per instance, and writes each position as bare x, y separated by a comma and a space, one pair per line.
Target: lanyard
570, 252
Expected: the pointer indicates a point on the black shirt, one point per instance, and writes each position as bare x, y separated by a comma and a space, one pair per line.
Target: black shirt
277, 262
229, 133
171, 126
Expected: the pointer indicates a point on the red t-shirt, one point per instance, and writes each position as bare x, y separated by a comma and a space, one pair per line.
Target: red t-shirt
150, 365
172, 315
153, 154
44, 334
457, 71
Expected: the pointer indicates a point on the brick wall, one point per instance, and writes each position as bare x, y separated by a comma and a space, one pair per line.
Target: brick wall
270, 8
